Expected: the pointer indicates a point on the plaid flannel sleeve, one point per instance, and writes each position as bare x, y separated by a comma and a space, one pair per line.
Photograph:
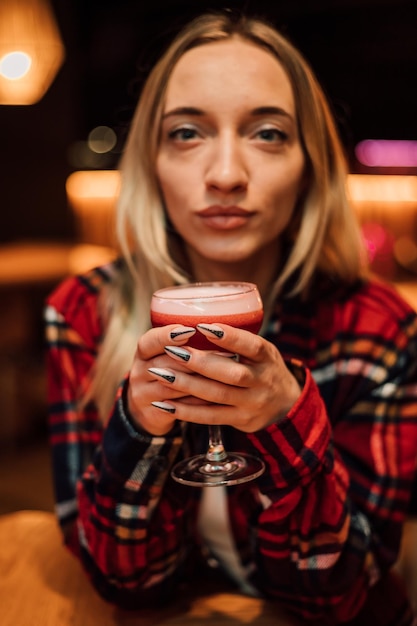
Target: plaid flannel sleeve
339, 475
108, 481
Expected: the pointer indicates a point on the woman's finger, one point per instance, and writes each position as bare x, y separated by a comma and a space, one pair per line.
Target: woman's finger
218, 391
235, 340
153, 341
208, 414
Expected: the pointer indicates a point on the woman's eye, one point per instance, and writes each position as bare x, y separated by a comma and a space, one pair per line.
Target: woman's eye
183, 134
271, 135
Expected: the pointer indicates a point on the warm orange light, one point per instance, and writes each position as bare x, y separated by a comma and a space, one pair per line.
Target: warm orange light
31, 50
94, 184
83, 257
390, 201
387, 189
92, 196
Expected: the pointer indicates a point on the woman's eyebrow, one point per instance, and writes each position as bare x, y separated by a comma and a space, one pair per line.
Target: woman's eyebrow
257, 112
271, 110
183, 111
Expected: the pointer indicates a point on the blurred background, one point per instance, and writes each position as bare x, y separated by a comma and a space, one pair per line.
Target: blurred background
70, 75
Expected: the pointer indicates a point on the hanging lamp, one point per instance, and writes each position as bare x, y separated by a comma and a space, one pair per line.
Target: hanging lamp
31, 50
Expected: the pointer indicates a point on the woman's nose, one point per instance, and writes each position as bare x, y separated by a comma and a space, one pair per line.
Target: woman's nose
226, 168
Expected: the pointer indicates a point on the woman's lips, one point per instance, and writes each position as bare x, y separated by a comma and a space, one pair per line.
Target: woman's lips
225, 217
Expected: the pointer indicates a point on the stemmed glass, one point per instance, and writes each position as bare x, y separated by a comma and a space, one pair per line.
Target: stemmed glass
237, 304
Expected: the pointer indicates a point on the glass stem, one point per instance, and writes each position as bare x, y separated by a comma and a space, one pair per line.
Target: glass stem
216, 451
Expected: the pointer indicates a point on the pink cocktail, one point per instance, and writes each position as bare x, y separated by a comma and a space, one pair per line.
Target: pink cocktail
237, 304
228, 303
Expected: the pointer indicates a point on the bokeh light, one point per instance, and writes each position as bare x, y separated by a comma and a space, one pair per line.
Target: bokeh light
379, 243
102, 139
387, 153
80, 156
382, 189
15, 65
405, 253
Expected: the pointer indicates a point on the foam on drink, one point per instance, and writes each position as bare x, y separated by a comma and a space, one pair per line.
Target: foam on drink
238, 305
202, 299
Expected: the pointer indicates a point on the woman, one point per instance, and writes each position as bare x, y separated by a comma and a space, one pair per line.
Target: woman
233, 171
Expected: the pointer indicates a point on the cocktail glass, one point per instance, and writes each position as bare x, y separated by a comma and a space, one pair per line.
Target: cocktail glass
237, 304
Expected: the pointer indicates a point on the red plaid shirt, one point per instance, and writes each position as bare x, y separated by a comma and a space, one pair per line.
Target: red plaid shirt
320, 530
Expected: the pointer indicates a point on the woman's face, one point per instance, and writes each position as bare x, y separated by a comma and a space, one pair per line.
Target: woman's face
230, 163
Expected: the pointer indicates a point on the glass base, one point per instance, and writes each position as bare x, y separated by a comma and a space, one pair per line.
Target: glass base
237, 468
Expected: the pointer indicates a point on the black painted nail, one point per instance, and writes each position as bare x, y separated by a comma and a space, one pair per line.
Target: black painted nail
164, 406
211, 328
181, 353
178, 333
163, 373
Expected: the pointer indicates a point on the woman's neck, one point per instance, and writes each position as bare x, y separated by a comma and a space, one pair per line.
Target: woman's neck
262, 272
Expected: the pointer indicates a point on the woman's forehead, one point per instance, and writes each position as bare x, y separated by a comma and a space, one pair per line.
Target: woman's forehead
219, 70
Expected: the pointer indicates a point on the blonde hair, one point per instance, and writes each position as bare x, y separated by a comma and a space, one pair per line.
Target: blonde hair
323, 235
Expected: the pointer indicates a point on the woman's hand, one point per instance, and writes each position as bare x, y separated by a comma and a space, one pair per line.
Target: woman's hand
208, 388
146, 387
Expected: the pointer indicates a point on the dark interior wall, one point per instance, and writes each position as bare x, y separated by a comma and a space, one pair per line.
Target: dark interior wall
33, 153
364, 52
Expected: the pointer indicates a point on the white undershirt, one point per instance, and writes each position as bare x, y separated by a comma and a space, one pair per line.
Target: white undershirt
214, 527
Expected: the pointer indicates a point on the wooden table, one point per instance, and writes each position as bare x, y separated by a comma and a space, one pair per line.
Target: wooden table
42, 584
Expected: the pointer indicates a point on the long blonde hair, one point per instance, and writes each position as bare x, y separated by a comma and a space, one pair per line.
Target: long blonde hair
323, 234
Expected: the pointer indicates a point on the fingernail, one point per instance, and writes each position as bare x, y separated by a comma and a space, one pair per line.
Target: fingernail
181, 353
164, 406
212, 329
178, 333
165, 374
